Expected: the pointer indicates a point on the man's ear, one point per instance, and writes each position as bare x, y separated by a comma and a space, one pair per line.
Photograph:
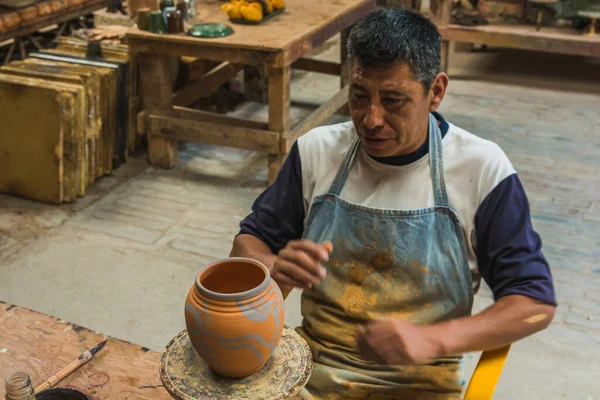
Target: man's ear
437, 91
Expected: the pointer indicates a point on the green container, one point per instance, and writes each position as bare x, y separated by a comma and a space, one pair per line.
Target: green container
157, 22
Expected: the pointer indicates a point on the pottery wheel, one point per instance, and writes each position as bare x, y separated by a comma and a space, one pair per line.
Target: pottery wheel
187, 377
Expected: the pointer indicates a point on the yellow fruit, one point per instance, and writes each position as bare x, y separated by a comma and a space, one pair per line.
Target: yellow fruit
234, 12
278, 4
225, 7
252, 12
256, 5
269, 6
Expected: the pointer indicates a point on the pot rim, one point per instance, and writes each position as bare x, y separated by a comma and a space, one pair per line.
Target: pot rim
239, 295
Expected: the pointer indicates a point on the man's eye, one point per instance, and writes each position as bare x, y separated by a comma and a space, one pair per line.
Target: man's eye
391, 100
359, 97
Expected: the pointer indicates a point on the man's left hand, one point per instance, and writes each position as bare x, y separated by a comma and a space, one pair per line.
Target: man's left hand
397, 342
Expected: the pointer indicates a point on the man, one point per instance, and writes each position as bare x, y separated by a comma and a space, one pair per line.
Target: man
417, 211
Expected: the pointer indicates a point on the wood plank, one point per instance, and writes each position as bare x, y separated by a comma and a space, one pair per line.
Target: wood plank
204, 116
315, 119
214, 78
279, 113
42, 345
156, 93
282, 40
324, 67
171, 128
548, 39
157, 45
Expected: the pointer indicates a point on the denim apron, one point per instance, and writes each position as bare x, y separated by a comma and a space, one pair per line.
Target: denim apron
406, 264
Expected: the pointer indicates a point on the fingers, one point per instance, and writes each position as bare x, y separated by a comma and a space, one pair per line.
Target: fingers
294, 272
299, 263
316, 251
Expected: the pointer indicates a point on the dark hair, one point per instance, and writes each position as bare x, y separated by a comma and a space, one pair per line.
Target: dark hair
397, 35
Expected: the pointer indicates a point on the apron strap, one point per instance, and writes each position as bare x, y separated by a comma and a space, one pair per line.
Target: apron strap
436, 163
340, 179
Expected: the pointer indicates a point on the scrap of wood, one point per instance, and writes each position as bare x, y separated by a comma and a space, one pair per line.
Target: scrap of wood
207, 84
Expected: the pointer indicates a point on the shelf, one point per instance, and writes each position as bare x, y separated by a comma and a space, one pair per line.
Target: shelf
548, 39
58, 17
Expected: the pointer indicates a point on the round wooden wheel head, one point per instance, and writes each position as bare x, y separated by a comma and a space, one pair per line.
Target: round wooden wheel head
187, 377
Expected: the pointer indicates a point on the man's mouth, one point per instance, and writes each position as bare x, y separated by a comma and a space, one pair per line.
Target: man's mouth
376, 143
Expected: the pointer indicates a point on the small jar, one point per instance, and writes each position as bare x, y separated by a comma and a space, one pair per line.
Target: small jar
19, 387
174, 22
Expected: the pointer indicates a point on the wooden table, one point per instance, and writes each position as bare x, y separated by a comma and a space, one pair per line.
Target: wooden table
277, 45
42, 345
549, 39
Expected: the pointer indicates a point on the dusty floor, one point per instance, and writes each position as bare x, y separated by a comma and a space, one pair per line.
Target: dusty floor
120, 260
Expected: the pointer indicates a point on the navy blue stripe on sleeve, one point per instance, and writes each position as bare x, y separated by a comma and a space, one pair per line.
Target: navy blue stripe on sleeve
509, 251
277, 215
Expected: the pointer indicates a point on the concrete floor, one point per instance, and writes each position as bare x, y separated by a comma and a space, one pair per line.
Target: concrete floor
121, 260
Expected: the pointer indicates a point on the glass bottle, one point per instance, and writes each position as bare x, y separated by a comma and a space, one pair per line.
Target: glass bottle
19, 387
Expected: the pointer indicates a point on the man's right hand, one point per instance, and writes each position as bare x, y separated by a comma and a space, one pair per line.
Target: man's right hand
300, 264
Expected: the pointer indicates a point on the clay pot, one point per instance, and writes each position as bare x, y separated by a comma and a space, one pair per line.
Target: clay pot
75, 3
44, 8
1, 26
29, 13
11, 20
57, 5
234, 316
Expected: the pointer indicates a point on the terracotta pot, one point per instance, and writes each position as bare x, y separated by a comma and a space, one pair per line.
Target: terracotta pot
11, 20
58, 5
29, 13
234, 316
75, 3
44, 8
1, 26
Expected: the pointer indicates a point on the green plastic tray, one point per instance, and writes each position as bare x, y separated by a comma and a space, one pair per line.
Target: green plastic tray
268, 17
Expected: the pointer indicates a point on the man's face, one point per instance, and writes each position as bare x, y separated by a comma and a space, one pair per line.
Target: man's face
390, 110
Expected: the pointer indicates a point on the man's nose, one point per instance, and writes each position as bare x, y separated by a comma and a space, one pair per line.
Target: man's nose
375, 116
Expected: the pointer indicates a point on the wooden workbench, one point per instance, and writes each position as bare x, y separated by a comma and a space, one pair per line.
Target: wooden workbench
42, 345
518, 36
277, 45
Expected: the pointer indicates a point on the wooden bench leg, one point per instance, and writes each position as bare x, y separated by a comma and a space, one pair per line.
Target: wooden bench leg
279, 112
156, 91
345, 73
445, 54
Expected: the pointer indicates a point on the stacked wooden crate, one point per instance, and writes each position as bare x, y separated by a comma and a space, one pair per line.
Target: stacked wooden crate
66, 121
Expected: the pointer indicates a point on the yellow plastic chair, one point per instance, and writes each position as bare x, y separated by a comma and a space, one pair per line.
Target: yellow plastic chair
486, 375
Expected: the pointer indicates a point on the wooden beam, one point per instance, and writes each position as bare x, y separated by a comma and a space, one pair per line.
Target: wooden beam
323, 67
316, 118
207, 84
204, 116
174, 129
160, 45
549, 39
